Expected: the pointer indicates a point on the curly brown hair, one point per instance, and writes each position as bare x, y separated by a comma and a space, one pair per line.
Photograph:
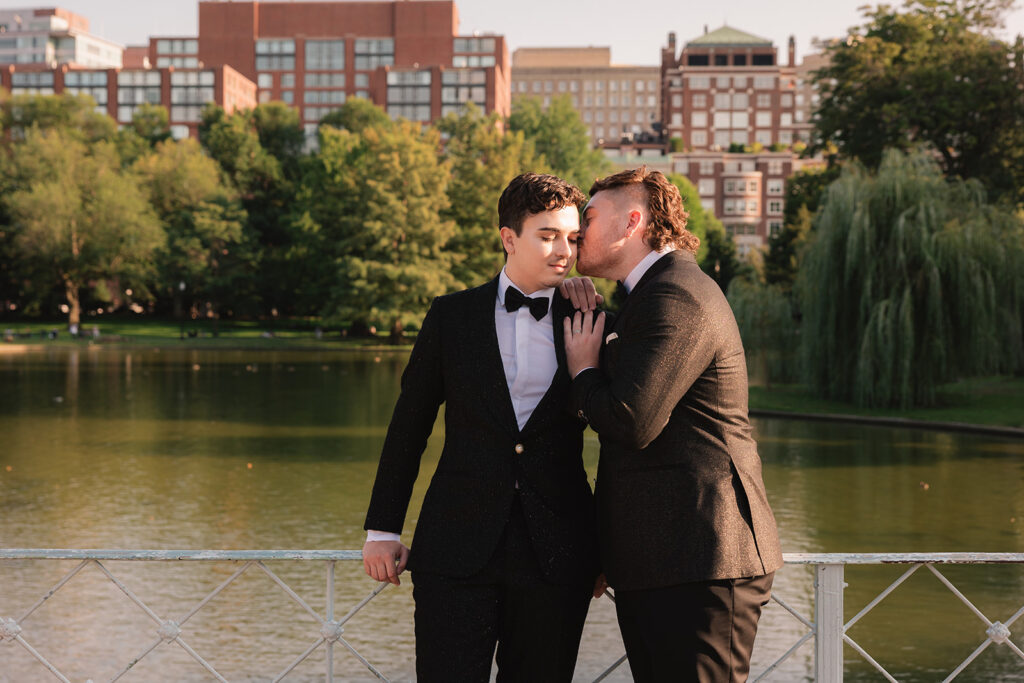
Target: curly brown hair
533, 193
666, 220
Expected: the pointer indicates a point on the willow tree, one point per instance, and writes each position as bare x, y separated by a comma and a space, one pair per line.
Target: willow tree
912, 280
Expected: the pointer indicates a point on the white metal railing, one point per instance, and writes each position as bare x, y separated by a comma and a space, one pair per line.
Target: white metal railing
827, 628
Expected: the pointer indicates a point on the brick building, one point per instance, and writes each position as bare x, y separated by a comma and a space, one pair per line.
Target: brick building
728, 87
406, 57
616, 101
745, 191
119, 92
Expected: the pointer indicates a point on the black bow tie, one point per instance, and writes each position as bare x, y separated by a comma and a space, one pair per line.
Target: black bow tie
514, 300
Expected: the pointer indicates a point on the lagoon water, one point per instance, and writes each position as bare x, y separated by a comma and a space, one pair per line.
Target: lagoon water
188, 449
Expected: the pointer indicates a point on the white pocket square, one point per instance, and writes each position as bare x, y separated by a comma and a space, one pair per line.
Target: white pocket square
610, 337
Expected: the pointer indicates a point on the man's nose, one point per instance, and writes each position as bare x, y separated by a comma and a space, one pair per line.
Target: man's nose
562, 247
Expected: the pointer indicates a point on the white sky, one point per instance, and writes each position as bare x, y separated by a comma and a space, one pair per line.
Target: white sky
636, 30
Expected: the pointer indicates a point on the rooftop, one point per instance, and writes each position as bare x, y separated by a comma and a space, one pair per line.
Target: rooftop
729, 36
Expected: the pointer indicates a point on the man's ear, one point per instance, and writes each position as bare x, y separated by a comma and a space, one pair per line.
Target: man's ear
508, 236
635, 219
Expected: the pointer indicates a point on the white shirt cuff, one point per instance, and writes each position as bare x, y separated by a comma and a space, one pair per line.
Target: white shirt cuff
581, 371
372, 535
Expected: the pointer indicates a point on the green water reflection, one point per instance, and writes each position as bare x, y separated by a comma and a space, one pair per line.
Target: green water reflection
104, 448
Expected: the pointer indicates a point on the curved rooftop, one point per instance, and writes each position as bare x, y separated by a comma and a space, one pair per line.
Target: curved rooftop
727, 36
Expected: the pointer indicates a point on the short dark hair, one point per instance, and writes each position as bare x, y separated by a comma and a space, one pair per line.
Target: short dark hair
666, 221
533, 193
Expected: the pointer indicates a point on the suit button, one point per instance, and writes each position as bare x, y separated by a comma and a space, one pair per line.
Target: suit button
519, 448
581, 415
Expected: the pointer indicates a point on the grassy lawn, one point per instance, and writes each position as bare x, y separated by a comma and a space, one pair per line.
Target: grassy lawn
985, 400
283, 334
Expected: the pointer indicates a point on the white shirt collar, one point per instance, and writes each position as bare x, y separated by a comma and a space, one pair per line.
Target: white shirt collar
504, 282
646, 262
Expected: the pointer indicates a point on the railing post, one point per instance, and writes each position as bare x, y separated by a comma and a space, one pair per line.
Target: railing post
828, 621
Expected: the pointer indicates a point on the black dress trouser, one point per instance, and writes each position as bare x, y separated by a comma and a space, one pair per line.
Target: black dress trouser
700, 631
535, 624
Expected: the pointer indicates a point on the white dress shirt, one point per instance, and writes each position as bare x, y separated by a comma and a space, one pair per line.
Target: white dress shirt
527, 347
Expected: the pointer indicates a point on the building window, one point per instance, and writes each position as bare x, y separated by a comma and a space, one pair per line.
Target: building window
362, 80
699, 138
574, 86
474, 45
764, 82
325, 55
786, 100
677, 119
190, 88
521, 86
613, 100
739, 60
722, 138
699, 82
548, 86
707, 167
723, 119
696, 60
613, 86
92, 83
177, 47
723, 101
764, 100
599, 132
706, 187
775, 186
135, 88
613, 116
561, 86
700, 101
536, 86
774, 227
699, 119
721, 60
798, 116
786, 119
287, 80
373, 52
763, 137
324, 97
409, 95
599, 86
752, 186
324, 80
275, 55
265, 80
723, 82
763, 118
775, 206
763, 60
599, 100
462, 86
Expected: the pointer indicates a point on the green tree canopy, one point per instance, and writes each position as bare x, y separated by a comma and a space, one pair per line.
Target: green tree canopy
356, 115
559, 135
374, 205
930, 74
77, 215
483, 160
804, 191
911, 281
202, 220
75, 115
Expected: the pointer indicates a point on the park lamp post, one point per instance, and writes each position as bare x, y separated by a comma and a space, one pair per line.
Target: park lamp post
181, 315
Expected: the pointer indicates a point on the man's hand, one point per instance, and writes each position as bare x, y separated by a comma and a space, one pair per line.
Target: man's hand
385, 560
600, 584
583, 337
581, 292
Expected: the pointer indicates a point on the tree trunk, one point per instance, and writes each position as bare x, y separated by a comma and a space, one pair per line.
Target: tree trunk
396, 332
74, 303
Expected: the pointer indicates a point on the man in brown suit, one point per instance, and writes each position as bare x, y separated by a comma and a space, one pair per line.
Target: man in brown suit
688, 540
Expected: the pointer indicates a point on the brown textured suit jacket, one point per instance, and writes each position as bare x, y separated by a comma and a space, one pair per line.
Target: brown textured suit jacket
679, 491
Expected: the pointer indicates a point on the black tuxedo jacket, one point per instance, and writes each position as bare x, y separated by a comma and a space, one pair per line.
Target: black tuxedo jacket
679, 491
456, 361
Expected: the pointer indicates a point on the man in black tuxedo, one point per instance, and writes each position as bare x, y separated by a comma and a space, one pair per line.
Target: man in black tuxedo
688, 540
505, 545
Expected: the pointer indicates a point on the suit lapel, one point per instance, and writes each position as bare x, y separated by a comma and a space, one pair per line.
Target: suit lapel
658, 266
483, 340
